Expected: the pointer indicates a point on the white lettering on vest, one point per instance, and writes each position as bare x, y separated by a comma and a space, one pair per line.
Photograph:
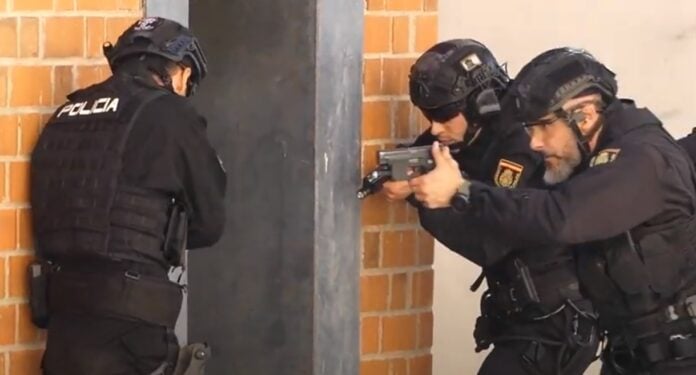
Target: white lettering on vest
101, 105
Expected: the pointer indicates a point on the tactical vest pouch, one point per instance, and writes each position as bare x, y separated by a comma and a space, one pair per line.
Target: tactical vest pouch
125, 295
625, 265
38, 293
667, 255
139, 221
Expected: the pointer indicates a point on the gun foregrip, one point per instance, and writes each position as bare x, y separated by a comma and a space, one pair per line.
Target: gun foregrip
372, 182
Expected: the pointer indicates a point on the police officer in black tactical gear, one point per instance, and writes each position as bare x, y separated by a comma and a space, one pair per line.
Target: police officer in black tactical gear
533, 312
624, 198
123, 178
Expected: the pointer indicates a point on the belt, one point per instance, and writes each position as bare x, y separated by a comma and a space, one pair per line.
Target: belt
123, 294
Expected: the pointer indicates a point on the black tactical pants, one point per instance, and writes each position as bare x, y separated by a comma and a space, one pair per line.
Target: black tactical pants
508, 359
529, 357
88, 345
681, 367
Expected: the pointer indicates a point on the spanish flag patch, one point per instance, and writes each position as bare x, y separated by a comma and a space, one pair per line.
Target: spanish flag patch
508, 174
605, 156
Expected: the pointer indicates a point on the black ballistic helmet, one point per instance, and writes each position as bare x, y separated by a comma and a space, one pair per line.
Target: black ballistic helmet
556, 76
449, 78
161, 37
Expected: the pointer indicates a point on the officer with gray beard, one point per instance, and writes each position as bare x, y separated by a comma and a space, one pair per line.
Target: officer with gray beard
624, 197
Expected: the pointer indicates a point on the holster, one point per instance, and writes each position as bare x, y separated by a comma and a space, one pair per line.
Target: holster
529, 295
192, 359
37, 273
176, 235
489, 325
119, 294
518, 292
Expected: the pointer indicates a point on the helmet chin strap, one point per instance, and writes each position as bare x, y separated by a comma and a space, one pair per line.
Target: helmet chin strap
471, 135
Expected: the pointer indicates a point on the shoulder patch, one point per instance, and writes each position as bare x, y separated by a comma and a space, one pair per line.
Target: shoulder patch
508, 173
605, 156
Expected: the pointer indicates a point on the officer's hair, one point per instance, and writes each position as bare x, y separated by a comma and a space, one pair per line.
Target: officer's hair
154, 64
600, 104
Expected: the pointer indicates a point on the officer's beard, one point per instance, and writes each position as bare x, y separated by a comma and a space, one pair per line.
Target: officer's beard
560, 165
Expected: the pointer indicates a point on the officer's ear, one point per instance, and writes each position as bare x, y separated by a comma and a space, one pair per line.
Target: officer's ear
586, 117
180, 78
584, 112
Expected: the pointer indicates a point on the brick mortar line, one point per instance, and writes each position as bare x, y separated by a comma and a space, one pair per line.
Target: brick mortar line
42, 38
391, 55
8, 253
16, 216
393, 313
382, 142
6, 292
401, 354
390, 227
410, 12
379, 271
6, 182
84, 40
27, 110
16, 338
386, 98
21, 347
14, 158
73, 13
10, 301
412, 34
18, 40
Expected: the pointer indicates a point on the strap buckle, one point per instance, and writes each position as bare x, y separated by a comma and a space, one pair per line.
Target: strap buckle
690, 304
132, 275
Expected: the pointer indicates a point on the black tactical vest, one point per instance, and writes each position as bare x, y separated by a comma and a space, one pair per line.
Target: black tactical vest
644, 269
81, 207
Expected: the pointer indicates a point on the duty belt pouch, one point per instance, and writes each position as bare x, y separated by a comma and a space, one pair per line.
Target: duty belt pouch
38, 293
622, 255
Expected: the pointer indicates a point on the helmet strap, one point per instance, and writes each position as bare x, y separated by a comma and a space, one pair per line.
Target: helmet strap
472, 134
572, 119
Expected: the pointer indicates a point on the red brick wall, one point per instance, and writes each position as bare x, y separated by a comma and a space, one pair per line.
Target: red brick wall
397, 276
47, 49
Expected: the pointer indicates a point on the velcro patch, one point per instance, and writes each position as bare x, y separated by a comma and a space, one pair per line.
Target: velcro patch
605, 156
508, 174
